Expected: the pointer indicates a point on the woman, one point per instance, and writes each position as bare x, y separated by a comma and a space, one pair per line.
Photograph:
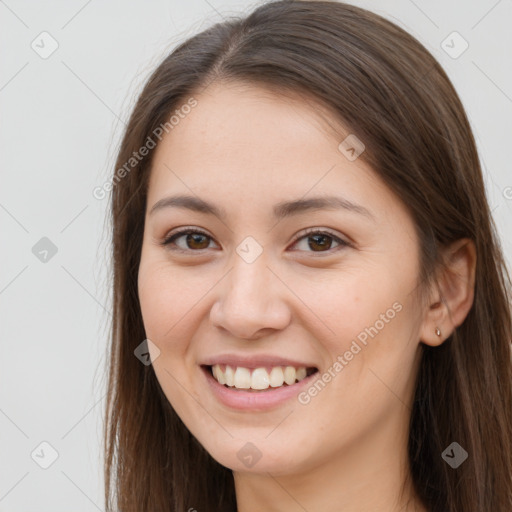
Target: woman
312, 311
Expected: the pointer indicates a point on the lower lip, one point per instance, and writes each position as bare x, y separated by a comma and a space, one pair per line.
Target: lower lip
255, 400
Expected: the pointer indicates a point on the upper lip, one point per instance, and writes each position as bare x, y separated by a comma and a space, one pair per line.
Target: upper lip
254, 361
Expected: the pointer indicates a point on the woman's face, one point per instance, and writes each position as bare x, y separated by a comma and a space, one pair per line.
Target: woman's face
275, 279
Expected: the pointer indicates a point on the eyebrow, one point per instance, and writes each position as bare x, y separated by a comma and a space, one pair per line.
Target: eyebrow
281, 210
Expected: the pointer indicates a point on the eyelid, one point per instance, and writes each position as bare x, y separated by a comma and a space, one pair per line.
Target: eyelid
322, 231
184, 230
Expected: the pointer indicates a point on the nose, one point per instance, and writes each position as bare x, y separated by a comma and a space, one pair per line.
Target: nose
251, 301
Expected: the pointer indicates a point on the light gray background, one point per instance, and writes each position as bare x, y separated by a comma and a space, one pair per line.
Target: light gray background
61, 119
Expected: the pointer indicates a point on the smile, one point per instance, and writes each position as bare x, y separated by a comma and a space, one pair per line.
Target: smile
259, 379
271, 385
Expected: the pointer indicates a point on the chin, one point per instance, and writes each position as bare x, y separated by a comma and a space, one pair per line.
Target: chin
259, 456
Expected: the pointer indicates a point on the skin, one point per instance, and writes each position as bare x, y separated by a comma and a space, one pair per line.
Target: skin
347, 448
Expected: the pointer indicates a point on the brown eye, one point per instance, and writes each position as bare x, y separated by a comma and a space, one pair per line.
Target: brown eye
319, 241
193, 240
197, 241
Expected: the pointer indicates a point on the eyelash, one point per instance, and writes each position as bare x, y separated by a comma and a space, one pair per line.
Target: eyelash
309, 232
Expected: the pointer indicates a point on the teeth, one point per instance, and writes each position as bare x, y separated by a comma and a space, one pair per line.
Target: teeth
219, 375
259, 378
242, 378
289, 375
301, 373
229, 374
276, 377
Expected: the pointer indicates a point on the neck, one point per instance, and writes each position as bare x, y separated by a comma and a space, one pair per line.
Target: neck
373, 474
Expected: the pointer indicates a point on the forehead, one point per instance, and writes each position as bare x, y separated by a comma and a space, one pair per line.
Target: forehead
237, 131
246, 148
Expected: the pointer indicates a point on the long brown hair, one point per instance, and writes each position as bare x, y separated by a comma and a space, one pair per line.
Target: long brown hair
386, 87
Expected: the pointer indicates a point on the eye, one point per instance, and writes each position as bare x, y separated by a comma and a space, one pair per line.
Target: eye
319, 241
193, 239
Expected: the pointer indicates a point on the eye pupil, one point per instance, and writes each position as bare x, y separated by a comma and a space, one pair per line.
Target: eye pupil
323, 244
196, 238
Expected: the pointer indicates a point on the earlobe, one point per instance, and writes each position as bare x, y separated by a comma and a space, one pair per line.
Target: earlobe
434, 328
454, 294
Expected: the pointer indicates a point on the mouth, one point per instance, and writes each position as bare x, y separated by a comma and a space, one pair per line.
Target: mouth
257, 380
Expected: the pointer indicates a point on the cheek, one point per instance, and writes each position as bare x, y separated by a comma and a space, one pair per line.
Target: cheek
167, 298
377, 322
366, 321
346, 303
167, 303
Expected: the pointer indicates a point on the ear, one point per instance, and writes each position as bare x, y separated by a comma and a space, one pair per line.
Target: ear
451, 301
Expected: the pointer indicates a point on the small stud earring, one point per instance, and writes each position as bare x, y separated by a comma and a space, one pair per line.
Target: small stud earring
438, 332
